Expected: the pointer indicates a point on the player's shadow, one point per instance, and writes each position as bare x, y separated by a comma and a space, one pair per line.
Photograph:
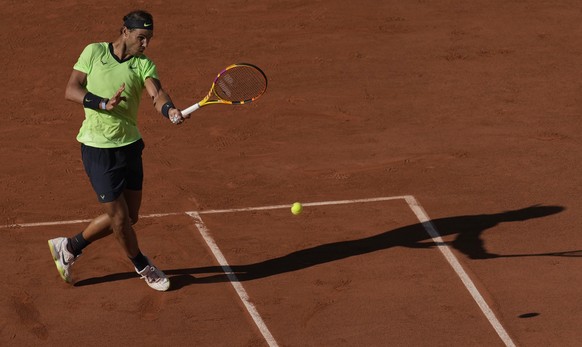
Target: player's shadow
468, 230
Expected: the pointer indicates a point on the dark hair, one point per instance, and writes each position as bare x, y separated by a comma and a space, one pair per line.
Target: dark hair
137, 15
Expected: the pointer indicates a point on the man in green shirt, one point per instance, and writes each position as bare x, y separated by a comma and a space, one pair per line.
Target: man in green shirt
111, 143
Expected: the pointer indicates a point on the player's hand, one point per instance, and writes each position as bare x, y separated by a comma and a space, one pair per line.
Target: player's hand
116, 99
176, 116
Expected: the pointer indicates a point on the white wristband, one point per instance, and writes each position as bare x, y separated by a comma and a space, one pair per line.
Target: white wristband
103, 104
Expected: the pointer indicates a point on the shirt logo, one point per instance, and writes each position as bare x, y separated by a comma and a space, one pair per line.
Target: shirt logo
147, 24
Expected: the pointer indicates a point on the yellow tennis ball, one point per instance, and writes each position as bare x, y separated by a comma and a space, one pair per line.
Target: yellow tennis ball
296, 208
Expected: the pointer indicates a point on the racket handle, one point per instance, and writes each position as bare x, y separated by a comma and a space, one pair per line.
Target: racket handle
190, 109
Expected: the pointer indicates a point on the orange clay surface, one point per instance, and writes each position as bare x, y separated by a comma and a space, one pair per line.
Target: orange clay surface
472, 107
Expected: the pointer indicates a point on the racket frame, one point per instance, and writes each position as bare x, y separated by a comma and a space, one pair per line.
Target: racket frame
217, 100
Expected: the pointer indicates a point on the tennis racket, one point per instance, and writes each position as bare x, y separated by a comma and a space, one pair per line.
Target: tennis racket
236, 85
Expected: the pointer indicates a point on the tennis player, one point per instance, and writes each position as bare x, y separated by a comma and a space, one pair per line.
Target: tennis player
108, 80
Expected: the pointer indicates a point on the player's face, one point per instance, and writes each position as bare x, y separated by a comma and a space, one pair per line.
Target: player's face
137, 41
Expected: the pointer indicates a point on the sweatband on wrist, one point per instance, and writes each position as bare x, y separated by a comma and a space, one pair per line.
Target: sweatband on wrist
103, 104
166, 108
92, 101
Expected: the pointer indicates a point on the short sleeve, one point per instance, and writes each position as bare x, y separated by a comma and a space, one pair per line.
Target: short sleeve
149, 70
84, 63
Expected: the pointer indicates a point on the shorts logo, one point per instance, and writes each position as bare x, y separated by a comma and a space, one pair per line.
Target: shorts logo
147, 24
102, 196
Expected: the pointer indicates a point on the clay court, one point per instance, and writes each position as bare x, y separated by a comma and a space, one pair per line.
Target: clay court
435, 146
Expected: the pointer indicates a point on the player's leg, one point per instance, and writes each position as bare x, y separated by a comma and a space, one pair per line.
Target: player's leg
118, 214
133, 200
100, 226
97, 229
153, 276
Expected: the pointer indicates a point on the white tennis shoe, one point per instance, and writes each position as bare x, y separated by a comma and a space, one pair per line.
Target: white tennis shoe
62, 257
154, 277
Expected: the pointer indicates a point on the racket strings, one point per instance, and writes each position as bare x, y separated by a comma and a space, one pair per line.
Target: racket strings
240, 83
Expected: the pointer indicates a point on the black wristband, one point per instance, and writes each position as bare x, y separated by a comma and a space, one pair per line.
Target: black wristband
166, 108
92, 101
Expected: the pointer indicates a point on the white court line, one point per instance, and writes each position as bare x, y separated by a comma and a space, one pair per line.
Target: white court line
410, 200
78, 221
238, 287
454, 262
245, 209
321, 203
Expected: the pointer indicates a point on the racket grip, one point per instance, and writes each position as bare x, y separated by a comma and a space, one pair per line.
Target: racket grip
190, 109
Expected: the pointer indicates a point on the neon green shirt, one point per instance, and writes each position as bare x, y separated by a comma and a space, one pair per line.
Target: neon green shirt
105, 74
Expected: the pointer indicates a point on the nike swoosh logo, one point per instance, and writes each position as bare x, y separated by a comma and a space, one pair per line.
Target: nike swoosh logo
147, 24
66, 263
88, 100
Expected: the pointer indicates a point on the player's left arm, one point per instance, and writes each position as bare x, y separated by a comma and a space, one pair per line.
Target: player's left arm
162, 101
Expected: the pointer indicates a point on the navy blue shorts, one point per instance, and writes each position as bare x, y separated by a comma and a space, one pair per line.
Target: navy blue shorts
112, 170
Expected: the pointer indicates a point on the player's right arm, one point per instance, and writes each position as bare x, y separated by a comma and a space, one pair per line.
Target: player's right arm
77, 92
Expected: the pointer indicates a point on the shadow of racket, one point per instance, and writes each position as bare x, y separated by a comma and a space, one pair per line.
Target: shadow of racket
569, 254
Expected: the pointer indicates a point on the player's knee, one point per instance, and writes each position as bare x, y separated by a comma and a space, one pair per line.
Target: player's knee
118, 226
